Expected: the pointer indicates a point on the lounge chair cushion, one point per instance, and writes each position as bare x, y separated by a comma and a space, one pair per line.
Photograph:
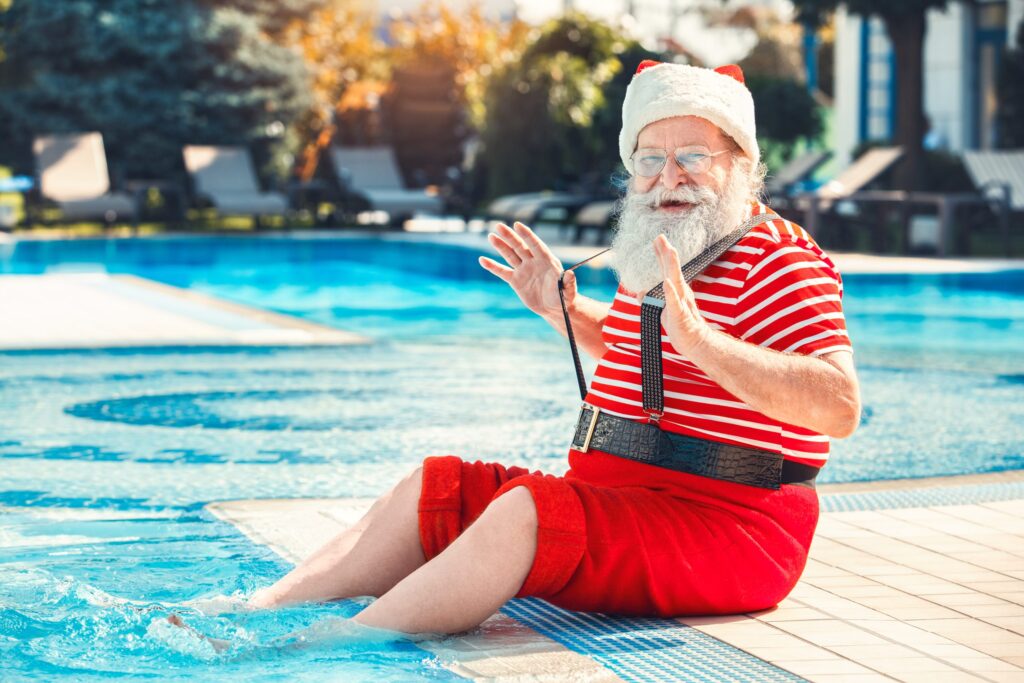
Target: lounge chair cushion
373, 173
503, 208
221, 170
402, 201
532, 209
123, 205
596, 213
72, 167
860, 173
989, 169
250, 203
368, 168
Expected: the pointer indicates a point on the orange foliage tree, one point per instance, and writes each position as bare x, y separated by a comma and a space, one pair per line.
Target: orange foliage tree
442, 61
349, 69
472, 45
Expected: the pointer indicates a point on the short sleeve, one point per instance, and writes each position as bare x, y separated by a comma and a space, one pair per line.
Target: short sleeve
792, 301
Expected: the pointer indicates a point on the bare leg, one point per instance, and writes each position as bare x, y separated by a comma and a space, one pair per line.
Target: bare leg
368, 559
474, 576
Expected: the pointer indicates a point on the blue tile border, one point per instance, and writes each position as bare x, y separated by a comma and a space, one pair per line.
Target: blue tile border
642, 649
891, 499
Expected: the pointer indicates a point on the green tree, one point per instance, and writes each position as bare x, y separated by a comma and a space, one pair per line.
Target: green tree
149, 75
905, 24
787, 114
552, 117
4, 71
1011, 94
603, 135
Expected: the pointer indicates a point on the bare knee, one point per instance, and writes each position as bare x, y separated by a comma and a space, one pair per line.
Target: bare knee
412, 484
511, 515
406, 492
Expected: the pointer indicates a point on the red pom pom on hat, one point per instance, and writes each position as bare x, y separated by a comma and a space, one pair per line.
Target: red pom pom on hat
732, 70
646, 64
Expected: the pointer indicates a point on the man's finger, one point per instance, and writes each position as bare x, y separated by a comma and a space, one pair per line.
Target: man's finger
495, 268
663, 250
671, 256
673, 304
671, 266
514, 241
569, 281
505, 250
535, 243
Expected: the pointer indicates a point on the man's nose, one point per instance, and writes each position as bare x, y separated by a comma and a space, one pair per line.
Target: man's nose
672, 176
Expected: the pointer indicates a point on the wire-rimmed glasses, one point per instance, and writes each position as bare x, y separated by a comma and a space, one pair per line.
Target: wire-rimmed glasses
694, 159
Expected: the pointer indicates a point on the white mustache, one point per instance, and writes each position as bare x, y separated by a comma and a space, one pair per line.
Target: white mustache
690, 194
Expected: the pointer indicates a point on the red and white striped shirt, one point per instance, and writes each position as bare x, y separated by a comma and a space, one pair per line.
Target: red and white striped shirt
775, 288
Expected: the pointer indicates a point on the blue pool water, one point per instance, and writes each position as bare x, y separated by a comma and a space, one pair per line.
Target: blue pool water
106, 458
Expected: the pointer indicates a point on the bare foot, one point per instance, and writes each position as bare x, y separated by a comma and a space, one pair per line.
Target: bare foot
219, 645
216, 605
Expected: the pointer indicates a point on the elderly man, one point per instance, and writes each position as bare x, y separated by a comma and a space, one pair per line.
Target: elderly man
692, 465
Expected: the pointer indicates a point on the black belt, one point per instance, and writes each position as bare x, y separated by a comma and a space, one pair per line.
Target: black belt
650, 444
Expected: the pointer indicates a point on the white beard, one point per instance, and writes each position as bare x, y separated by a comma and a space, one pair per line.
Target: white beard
640, 222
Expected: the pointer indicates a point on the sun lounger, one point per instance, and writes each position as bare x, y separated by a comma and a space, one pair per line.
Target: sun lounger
999, 176
798, 170
372, 173
846, 186
868, 167
595, 216
225, 177
998, 172
553, 207
992, 172
547, 208
504, 208
73, 174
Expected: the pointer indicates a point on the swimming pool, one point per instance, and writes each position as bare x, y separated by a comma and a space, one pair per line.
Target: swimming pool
107, 457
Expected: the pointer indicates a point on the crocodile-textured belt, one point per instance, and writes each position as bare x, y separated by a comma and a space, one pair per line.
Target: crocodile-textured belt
650, 444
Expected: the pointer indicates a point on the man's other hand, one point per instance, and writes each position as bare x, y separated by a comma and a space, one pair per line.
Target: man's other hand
682, 319
532, 271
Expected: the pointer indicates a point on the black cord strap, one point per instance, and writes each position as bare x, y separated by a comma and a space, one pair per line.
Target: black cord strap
580, 379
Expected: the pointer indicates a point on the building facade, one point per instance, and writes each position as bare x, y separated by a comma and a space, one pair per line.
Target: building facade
963, 48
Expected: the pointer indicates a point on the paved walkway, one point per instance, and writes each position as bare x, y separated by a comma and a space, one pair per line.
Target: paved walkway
847, 262
908, 580
72, 311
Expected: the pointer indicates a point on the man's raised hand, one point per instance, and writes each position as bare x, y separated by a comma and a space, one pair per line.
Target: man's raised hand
681, 318
532, 271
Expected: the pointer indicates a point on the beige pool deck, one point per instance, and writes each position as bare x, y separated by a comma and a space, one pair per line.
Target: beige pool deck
910, 580
914, 593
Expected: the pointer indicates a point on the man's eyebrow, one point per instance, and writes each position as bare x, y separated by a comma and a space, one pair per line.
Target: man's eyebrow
682, 144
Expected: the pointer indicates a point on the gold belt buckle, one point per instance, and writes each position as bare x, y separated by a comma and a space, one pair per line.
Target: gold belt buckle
595, 411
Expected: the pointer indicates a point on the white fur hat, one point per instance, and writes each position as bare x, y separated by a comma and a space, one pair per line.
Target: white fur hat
661, 91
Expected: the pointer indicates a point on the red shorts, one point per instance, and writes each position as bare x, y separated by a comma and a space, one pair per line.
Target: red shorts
693, 546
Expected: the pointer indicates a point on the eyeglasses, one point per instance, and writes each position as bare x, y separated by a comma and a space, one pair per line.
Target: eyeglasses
695, 160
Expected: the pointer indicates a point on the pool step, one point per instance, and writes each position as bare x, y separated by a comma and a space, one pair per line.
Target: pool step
98, 311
